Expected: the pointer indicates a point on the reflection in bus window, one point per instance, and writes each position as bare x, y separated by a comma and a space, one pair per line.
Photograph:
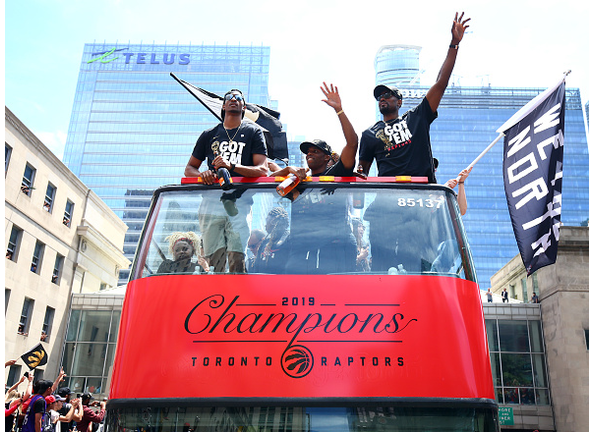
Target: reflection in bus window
402, 230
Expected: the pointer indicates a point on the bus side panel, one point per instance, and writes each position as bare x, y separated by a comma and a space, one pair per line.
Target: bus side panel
302, 336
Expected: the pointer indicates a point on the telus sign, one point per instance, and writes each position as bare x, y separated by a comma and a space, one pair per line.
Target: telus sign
140, 58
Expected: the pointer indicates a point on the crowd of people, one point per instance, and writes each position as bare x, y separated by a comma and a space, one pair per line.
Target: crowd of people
45, 407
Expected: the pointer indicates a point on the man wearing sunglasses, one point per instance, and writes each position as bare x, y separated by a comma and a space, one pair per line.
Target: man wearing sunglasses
400, 144
239, 147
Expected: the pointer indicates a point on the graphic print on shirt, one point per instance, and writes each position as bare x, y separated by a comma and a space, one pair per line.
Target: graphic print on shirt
230, 151
395, 135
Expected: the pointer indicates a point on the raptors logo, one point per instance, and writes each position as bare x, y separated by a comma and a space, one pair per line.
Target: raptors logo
297, 361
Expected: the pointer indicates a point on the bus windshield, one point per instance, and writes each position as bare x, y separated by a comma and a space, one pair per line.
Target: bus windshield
303, 419
322, 229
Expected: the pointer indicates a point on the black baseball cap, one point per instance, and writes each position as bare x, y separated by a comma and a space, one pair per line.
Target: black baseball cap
86, 396
65, 391
322, 145
381, 89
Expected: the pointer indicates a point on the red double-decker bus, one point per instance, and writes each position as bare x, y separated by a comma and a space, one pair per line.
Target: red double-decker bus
358, 310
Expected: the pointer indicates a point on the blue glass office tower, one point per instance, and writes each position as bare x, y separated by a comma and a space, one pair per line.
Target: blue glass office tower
468, 118
133, 127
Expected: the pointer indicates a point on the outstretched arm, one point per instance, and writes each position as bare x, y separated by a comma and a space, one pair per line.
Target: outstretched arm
436, 92
461, 191
58, 380
349, 152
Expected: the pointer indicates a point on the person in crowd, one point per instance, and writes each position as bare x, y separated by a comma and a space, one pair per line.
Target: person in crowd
505, 296
183, 246
462, 204
66, 394
54, 405
400, 144
90, 416
36, 407
254, 242
240, 147
272, 254
362, 246
534, 298
489, 296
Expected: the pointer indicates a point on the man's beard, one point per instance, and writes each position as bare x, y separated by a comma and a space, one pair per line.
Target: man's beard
387, 110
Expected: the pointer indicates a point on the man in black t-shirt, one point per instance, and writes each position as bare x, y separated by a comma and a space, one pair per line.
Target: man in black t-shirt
321, 239
318, 152
401, 145
240, 147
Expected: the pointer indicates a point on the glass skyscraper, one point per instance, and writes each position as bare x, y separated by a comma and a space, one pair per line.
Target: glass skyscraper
468, 118
133, 127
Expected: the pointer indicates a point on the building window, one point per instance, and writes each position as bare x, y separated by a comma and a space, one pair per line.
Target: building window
90, 348
535, 285
47, 324
37, 257
586, 337
28, 179
102, 286
50, 193
68, 213
525, 291
14, 375
26, 314
518, 362
7, 154
6, 298
14, 242
57, 273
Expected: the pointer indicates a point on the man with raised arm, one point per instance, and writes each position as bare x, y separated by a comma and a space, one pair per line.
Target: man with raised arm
240, 147
321, 238
400, 144
318, 152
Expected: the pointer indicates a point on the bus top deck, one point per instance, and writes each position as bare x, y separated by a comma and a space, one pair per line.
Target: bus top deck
347, 305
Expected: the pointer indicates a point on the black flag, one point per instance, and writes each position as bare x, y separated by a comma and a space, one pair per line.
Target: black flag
35, 357
267, 119
532, 173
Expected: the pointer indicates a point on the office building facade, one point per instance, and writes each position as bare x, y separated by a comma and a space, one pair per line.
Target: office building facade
468, 118
133, 127
60, 239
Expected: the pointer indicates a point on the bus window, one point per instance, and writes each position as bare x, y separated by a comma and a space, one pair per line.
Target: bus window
320, 229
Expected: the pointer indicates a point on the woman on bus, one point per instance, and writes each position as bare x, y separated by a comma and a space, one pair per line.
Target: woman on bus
273, 251
183, 246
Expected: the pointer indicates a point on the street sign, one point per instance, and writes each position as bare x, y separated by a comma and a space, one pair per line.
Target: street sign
506, 416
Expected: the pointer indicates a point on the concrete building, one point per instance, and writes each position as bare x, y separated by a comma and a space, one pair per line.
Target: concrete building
60, 238
563, 289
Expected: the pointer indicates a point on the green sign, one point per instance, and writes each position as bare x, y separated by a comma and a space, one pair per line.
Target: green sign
506, 416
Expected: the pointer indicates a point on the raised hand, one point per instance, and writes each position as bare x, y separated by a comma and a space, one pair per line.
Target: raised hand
332, 97
459, 26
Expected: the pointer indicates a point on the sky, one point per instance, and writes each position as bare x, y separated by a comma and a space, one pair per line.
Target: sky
509, 43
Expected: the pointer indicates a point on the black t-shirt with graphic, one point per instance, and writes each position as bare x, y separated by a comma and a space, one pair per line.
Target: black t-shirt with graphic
402, 146
338, 170
245, 142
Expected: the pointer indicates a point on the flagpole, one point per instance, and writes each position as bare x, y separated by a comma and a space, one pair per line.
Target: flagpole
484, 152
515, 119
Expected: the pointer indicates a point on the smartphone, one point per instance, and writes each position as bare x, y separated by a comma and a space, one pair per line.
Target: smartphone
26, 375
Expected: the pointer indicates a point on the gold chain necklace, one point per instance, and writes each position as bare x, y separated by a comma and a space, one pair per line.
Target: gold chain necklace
228, 136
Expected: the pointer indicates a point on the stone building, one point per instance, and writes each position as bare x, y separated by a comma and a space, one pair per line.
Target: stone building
563, 290
60, 239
